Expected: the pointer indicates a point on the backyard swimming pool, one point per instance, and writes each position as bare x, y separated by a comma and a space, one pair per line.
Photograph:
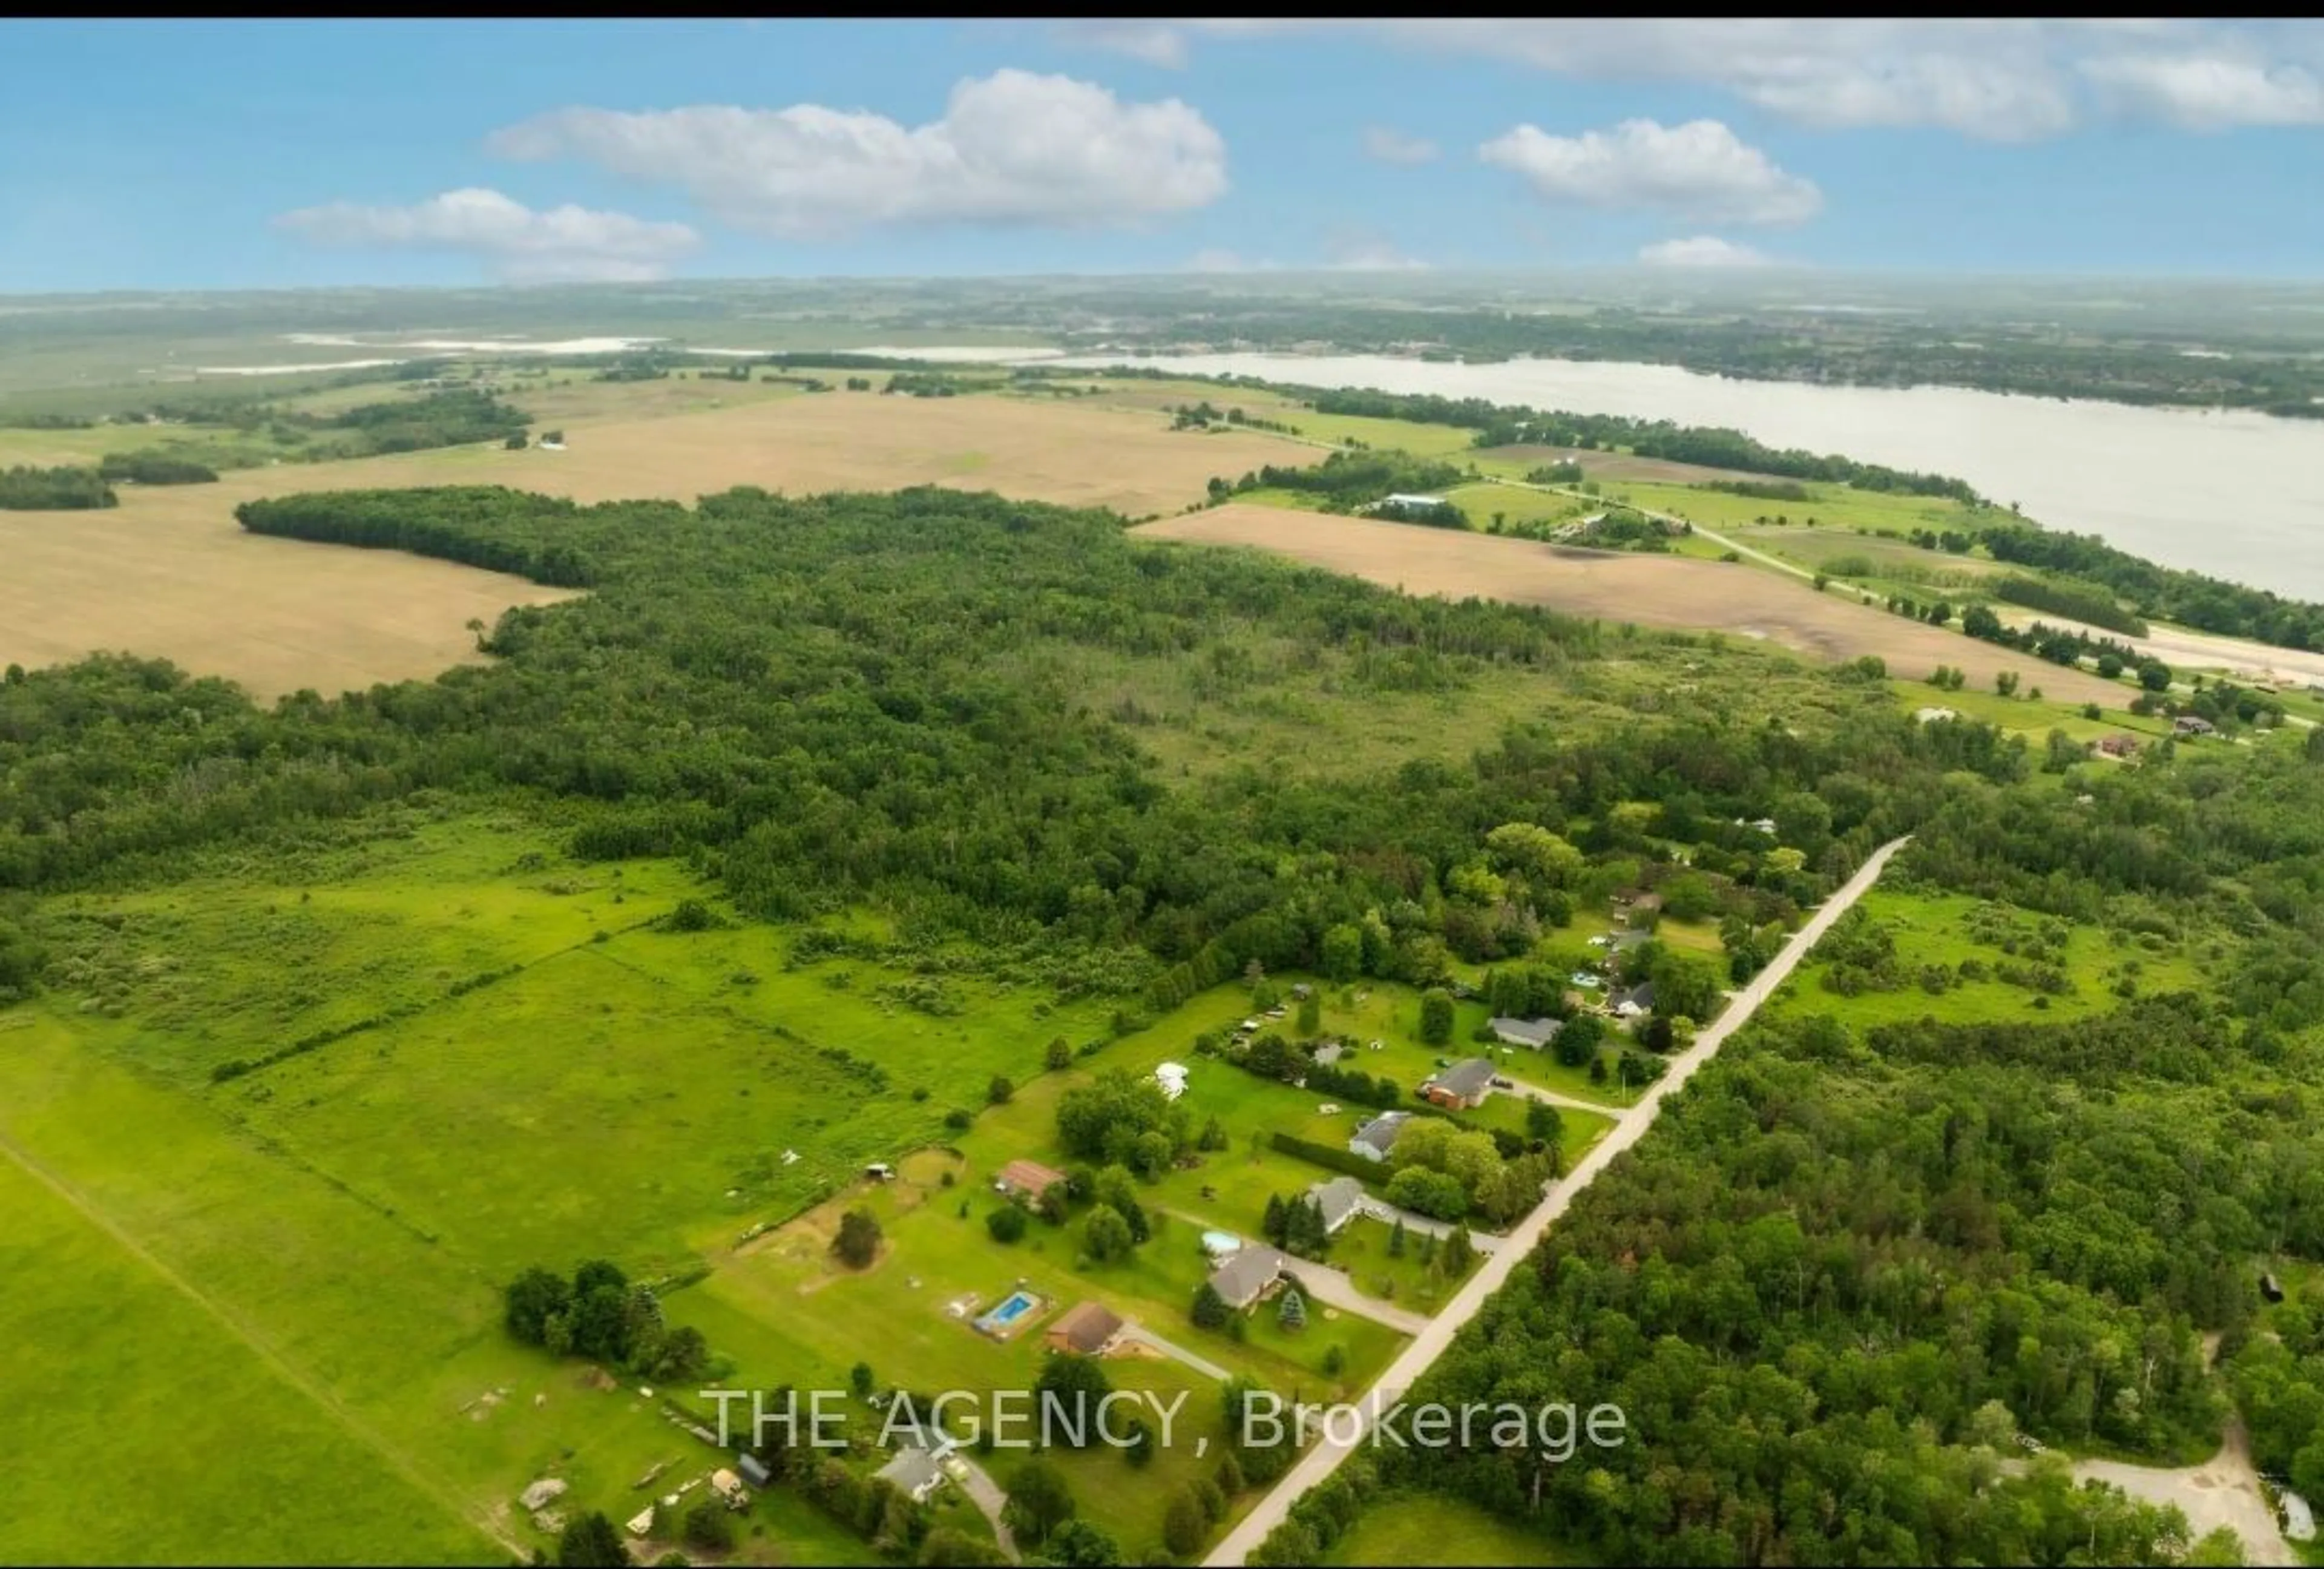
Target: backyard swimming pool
1001, 1318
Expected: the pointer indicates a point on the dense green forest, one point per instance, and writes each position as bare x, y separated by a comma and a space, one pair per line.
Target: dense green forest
23, 489
2077, 601
452, 418
148, 467
2164, 593
1850, 1266
822, 701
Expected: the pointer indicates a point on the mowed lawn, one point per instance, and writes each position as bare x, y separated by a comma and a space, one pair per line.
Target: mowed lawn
125, 1389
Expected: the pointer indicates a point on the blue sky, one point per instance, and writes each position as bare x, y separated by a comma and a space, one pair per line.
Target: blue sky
198, 154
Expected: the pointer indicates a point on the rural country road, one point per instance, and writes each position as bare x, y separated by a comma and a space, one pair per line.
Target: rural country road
1334, 1444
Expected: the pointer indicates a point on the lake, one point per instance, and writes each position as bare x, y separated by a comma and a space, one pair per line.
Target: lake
2236, 494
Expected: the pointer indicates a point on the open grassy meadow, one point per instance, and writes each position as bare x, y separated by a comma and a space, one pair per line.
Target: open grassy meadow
1423, 1528
478, 1056
1947, 930
136, 1379
1837, 509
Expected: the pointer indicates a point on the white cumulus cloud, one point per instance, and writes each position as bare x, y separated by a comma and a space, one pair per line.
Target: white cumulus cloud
1392, 146
1699, 170
2210, 92
1011, 148
2001, 78
1702, 251
526, 246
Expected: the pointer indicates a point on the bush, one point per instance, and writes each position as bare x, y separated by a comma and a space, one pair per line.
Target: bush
1006, 1224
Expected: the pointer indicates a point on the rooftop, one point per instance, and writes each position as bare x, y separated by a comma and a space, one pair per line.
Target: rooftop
913, 1468
1251, 1271
1464, 1079
1086, 1327
1338, 1199
1029, 1177
1535, 1032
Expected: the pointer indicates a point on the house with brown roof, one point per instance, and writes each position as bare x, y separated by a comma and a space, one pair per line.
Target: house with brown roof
1086, 1329
2119, 745
1026, 1179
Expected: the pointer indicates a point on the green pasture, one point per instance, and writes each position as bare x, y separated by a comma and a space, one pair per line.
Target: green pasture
1426, 1528
296, 1270
1936, 929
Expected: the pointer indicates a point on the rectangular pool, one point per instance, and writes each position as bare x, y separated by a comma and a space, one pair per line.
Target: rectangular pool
1000, 1319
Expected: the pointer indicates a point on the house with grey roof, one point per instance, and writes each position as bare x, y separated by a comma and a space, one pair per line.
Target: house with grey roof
1634, 1003
1463, 1084
1376, 1138
1535, 1033
1342, 1200
915, 1472
1250, 1275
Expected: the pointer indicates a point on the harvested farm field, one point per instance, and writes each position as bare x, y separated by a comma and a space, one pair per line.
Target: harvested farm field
169, 574
1655, 591
809, 443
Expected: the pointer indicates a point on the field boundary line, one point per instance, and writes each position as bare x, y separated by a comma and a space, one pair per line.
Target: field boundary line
274, 1360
